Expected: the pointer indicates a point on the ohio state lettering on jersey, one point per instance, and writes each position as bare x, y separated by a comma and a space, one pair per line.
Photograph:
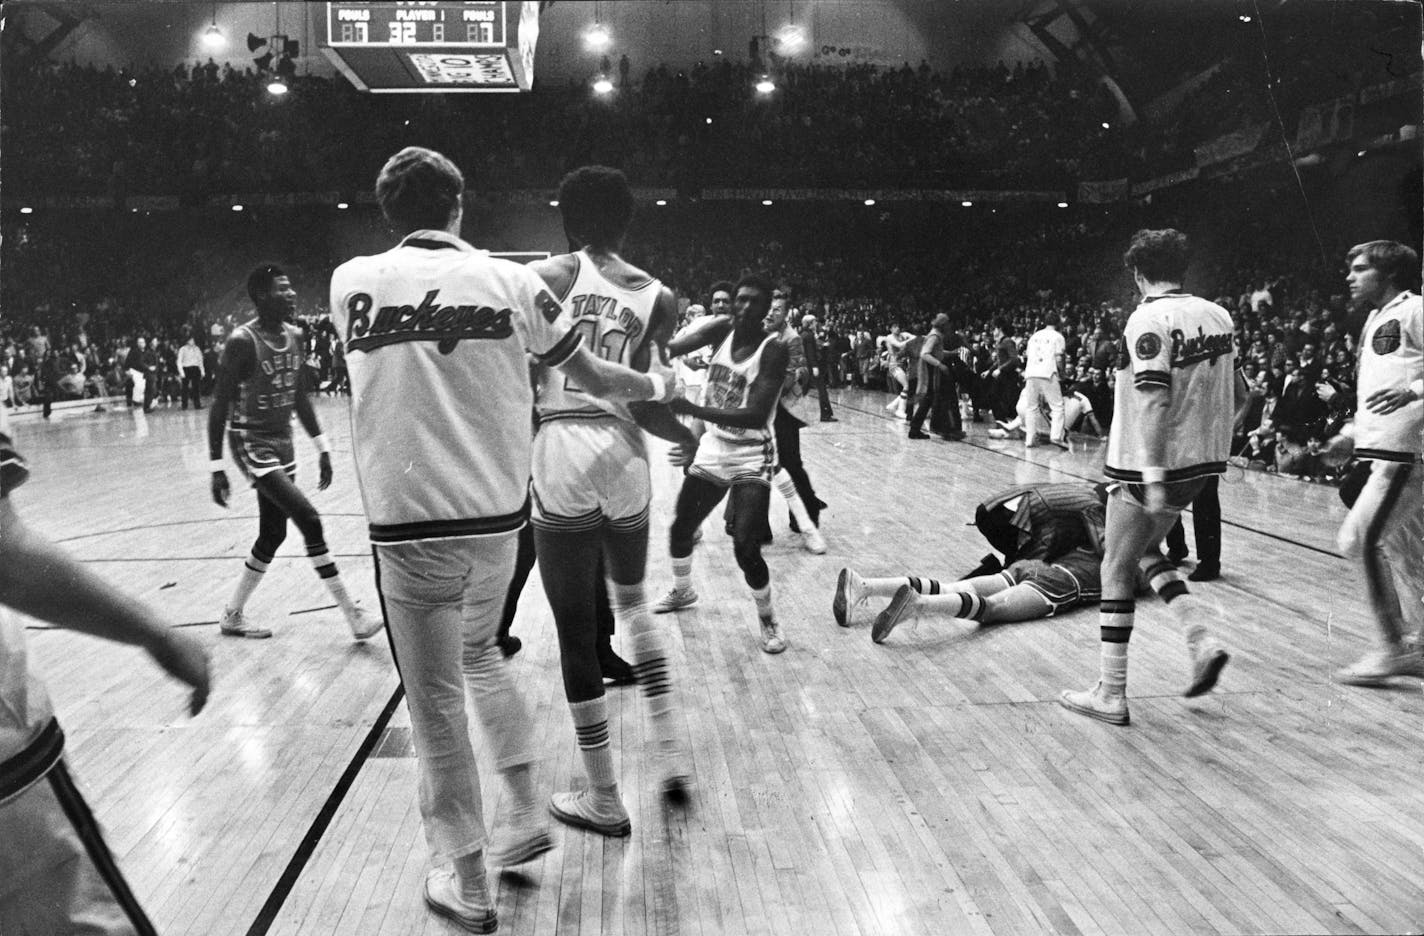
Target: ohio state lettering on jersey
268, 395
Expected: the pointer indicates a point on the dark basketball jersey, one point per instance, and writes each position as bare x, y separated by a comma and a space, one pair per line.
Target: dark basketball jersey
267, 396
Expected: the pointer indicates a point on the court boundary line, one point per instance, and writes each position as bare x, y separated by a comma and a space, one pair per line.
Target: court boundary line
1074, 474
277, 899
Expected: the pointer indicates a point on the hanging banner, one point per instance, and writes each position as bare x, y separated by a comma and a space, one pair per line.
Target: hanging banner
1099, 193
1231, 145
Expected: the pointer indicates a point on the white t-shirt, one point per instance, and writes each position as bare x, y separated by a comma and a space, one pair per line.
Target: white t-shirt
435, 334
1045, 346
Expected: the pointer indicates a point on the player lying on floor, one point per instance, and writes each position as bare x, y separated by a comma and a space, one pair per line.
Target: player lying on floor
1051, 538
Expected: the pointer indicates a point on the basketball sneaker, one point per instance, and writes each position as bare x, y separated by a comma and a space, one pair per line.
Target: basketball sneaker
850, 594
905, 600
364, 625
1095, 703
518, 845
675, 600
771, 639
814, 542
1378, 667
442, 895
235, 624
1208, 660
588, 809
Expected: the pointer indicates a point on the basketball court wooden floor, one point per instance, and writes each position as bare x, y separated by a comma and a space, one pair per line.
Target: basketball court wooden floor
930, 785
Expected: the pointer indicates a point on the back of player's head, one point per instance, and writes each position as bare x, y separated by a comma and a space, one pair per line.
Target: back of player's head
726, 286
597, 205
1051, 319
1398, 262
1160, 256
419, 189
259, 281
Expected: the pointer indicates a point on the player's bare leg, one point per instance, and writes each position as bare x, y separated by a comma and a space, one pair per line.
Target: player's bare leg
1131, 531
568, 563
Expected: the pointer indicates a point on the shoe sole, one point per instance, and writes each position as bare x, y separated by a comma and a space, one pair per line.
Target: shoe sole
251, 635
815, 549
459, 919
612, 830
1209, 674
526, 851
1110, 717
840, 603
367, 635
886, 620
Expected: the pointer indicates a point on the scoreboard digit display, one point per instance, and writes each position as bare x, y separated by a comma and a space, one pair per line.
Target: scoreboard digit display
428, 46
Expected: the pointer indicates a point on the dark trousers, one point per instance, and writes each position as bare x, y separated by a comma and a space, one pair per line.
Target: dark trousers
823, 395
192, 380
940, 402
1206, 527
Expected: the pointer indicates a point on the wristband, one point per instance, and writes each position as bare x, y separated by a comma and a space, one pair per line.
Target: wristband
217, 464
1154, 475
1417, 388
659, 386
322, 445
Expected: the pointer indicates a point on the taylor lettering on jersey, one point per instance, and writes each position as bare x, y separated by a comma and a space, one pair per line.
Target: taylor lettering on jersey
427, 320
621, 318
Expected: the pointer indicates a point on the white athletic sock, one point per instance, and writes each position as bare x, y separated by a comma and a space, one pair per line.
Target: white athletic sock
650, 659
326, 568
762, 597
591, 729
682, 573
1115, 619
252, 571
787, 488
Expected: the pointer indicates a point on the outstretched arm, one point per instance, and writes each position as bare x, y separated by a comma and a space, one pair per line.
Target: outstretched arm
760, 402
708, 330
39, 579
656, 418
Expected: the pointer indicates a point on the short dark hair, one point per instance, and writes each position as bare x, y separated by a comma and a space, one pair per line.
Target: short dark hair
726, 286
1005, 326
419, 188
1160, 256
1398, 262
759, 281
259, 281
597, 204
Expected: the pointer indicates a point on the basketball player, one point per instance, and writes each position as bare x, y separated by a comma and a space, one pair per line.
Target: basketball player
737, 450
436, 334
56, 873
260, 381
592, 487
1051, 538
1172, 430
1042, 371
1384, 524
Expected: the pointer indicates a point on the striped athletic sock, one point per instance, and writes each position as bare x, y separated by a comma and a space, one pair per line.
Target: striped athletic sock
1115, 623
1171, 585
924, 586
682, 573
252, 571
326, 569
787, 488
591, 730
762, 597
960, 604
650, 658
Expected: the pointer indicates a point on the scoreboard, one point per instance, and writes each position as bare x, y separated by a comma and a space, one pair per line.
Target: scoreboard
428, 46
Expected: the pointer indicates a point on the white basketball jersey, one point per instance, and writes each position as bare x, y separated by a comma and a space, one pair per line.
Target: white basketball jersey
1044, 349
729, 386
613, 321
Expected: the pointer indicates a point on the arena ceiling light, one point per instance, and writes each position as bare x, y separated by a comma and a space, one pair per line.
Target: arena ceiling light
213, 38
27, 210
661, 202
342, 206
1063, 204
554, 203
791, 39
602, 85
966, 204
277, 86
765, 85
236, 207
766, 201
597, 37
869, 202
